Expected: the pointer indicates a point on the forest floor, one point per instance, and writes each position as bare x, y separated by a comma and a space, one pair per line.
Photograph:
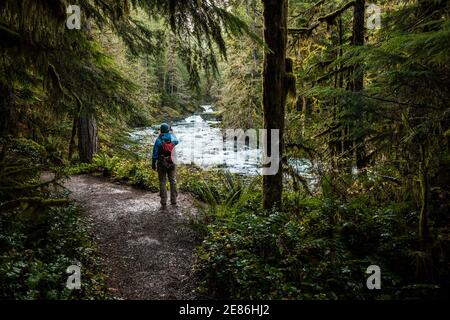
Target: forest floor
147, 251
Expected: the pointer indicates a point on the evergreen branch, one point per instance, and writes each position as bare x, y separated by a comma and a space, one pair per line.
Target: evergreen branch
291, 170
329, 18
35, 201
27, 186
305, 30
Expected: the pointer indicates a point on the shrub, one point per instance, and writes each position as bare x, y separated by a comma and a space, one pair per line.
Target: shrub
317, 248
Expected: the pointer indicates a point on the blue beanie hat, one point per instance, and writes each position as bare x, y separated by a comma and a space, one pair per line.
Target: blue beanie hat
164, 128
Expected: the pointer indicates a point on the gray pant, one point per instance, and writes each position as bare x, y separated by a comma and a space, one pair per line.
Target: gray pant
163, 173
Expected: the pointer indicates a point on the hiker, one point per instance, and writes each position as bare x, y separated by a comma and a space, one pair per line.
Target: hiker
163, 161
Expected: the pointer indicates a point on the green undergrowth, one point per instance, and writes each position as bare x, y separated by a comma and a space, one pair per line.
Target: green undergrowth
42, 232
317, 247
36, 251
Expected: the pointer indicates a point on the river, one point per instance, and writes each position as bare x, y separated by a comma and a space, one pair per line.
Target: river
202, 143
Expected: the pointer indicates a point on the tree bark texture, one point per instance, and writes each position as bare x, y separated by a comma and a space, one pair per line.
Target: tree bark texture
87, 136
274, 96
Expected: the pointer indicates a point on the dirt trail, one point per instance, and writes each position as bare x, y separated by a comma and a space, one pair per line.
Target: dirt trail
147, 251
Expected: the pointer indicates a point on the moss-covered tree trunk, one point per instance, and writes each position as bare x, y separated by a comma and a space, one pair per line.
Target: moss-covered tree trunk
72, 138
75, 122
275, 35
87, 136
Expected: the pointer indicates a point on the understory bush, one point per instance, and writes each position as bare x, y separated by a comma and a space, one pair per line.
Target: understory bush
36, 251
316, 248
41, 232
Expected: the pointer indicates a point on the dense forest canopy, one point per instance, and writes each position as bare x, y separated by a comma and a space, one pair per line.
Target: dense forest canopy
358, 91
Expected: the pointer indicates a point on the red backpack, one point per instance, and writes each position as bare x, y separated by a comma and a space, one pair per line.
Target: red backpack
167, 153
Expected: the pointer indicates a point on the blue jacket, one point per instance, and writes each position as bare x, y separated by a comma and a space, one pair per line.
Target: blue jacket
157, 148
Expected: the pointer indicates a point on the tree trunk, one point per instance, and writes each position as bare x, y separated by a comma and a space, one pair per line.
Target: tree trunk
75, 122
274, 96
87, 126
358, 73
253, 28
358, 40
424, 179
425, 195
72, 138
7, 110
87, 136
